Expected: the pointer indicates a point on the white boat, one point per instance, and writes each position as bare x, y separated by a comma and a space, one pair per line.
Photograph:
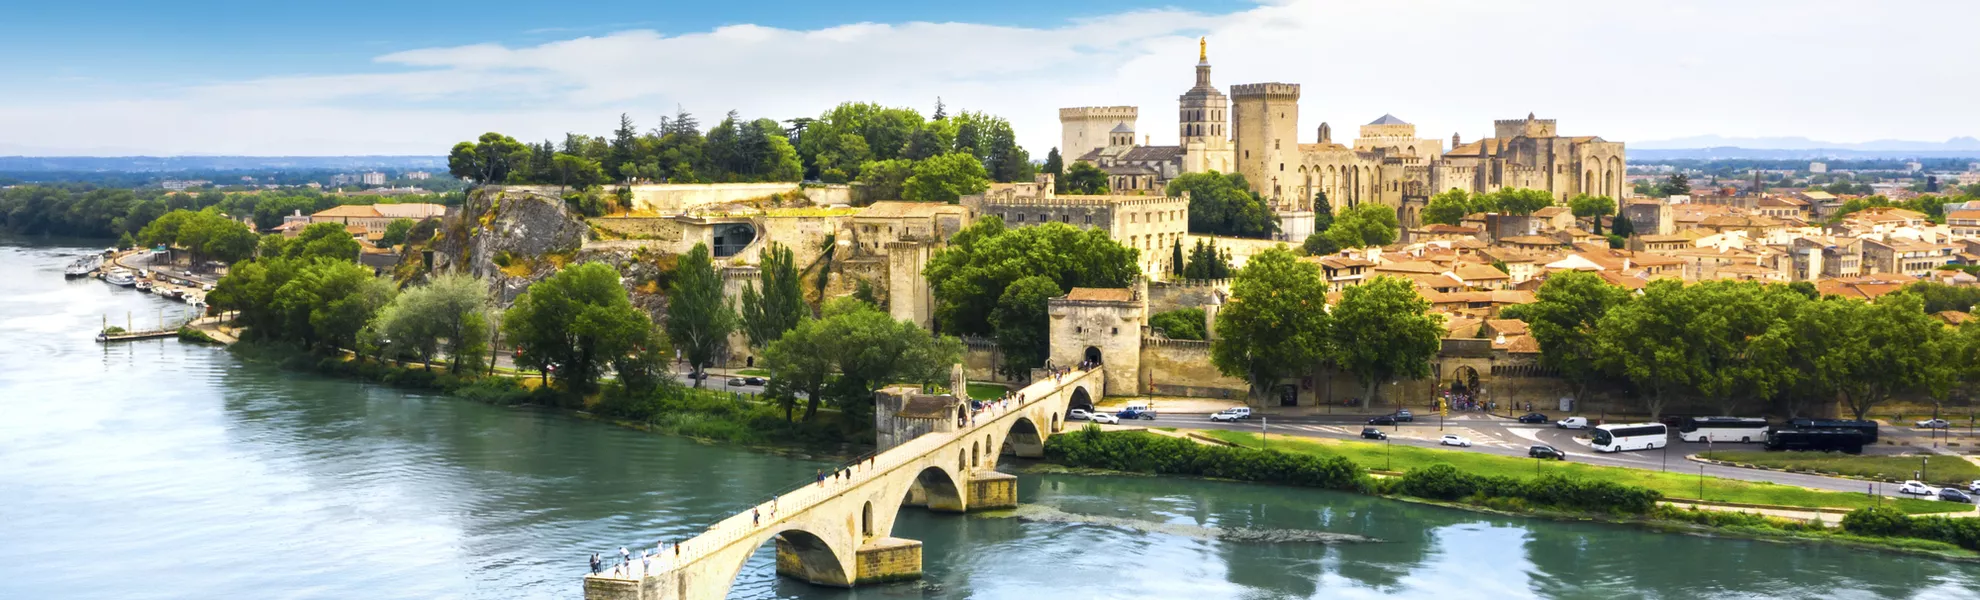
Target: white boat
144, 285
83, 266
120, 278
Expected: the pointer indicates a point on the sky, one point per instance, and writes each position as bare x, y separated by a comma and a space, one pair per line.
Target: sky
104, 78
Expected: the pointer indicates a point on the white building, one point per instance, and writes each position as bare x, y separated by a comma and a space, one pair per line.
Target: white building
374, 178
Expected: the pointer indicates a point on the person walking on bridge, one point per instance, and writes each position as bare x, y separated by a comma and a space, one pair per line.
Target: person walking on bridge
597, 564
755, 517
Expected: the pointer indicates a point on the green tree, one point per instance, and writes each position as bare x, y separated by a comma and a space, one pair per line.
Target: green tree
1520, 201
1055, 164
1223, 204
1323, 212
488, 160
969, 276
395, 232
1181, 323
1729, 332
1563, 319
1867, 352
1205, 262
884, 180
322, 240
1621, 226
1084, 178
1384, 330
1021, 323
575, 323
1645, 341
1592, 208
1176, 260
1364, 225
1318, 244
1449, 207
1676, 184
851, 351
329, 302
778, 307
574, 171
449, 312
125, 241
1276, 324
698, 318
945, 178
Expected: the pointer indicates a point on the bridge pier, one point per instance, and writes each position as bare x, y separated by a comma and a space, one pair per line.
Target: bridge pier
991, 490
888, 559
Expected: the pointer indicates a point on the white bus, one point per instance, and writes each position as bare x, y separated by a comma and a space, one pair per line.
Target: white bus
1631, 436
1723, 429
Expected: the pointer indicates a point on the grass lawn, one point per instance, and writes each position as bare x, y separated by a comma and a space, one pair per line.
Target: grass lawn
753, 373
1675, 485
1939, 469
986, 391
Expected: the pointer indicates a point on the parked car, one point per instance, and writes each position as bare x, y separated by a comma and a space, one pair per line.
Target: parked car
1533, 418
1915, 488
1954, 495
1973, 487
1382, 420
1934, 424
1404, 416
1079, 414
1572, 423
1145, 415
755, 381
701, 375
737, 381
1544, 451
1373, 434
1104, 418
1232, 414
1454, 440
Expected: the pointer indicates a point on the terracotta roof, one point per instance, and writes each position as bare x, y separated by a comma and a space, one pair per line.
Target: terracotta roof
1410, 266
1963, 214
1461, 327
1507, 326
1550, 212
1153, 153
1532, 240
1952, 317
1101, 294
1518, 344
349, 211
410, 210
1475, 272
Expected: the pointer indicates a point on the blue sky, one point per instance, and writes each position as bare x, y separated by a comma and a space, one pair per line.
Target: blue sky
371, 77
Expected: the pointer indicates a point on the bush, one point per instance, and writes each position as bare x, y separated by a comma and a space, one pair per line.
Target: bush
1876, 521
1446, 482
1147, 453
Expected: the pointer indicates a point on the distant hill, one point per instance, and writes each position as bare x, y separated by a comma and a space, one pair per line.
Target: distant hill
1714, 146
154, 164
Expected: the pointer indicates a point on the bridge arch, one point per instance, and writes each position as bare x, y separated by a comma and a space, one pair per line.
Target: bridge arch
811, 558
1024, 439
939, 489
1080, 399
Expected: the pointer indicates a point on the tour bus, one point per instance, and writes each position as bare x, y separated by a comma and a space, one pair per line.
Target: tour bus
1826, 440
1631, 436
1723, 429
1867, 429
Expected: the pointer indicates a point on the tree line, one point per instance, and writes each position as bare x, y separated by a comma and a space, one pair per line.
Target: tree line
88, 211
1277, 325
893, 152
1748, 346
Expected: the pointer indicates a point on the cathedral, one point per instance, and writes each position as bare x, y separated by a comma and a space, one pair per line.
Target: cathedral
1386, 163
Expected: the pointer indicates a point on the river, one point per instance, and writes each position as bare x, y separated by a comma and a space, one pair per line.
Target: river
166, 470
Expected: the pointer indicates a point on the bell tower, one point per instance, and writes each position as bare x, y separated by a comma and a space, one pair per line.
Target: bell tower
1201, 118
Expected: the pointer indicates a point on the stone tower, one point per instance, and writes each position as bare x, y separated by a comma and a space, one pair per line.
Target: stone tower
1265, 124
1088, 128
1326, 133
1201, 117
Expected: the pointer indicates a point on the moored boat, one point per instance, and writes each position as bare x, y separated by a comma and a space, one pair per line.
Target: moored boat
120, 278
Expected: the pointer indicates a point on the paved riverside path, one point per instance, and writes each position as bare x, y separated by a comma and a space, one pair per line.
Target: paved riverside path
827, 524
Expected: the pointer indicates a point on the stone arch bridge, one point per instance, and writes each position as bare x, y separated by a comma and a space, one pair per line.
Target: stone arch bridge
838, 532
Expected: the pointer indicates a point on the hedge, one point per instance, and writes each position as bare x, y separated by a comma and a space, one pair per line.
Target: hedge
1882, 521
1147, 453
1446, 482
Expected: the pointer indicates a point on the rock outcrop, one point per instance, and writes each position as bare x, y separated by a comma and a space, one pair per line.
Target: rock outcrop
513, 236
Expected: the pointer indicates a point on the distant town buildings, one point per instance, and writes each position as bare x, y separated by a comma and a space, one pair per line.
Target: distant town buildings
180, 185
1816, 167
418, 175
374, 178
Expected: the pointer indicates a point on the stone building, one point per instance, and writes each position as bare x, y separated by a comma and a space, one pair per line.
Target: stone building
1151, 224
1204, 143
1101, 325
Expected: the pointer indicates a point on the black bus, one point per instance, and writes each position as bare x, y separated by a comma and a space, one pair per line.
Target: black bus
1867, 429
1826, 440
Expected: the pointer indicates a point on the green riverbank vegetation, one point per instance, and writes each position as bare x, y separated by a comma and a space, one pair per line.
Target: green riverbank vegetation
1939, 469
1512, 485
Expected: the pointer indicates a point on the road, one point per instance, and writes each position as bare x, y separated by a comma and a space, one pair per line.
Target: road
1505, 437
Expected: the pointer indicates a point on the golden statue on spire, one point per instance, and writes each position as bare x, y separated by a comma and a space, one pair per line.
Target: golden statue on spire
1203, 48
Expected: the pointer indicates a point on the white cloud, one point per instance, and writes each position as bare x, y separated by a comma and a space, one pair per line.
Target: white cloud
1828, 69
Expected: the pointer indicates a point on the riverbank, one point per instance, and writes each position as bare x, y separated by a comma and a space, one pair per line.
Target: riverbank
1557, 494
706, 416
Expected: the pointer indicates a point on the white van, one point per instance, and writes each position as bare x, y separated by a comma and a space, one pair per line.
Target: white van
1572, 423
1232, 414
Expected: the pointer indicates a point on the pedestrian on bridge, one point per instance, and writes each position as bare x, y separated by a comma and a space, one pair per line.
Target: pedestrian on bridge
625, 556
597, 564
755, 517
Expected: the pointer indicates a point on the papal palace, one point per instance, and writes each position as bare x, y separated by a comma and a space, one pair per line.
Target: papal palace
1386, 163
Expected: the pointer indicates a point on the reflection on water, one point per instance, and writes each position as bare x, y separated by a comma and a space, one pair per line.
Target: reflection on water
163, 470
